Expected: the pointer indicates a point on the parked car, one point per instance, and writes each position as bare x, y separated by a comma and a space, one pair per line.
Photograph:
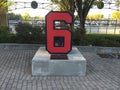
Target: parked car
76, 23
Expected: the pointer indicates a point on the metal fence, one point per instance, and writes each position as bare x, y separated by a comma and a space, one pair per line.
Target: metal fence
92, 26
103, 26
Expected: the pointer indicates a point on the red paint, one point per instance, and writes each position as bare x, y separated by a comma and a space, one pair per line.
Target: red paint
51, 33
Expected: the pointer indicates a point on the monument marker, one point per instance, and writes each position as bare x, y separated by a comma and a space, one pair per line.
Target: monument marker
60, 59
52, 33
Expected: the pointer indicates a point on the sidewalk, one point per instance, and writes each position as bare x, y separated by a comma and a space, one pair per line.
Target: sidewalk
15, 72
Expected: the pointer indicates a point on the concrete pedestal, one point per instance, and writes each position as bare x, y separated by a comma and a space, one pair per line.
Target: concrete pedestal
43, 65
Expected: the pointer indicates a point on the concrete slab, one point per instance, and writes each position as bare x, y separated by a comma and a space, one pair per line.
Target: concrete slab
42, 65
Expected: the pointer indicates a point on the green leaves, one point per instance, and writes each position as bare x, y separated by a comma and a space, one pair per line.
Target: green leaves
4, 4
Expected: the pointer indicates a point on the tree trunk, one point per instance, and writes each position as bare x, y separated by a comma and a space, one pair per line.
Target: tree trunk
82, 26
83, 9
3, 18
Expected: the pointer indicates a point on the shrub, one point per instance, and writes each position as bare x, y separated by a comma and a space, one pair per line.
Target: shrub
6, 35
78, 38
26, 33
96, 39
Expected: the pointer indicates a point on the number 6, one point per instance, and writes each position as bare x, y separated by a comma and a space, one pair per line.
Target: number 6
52, 33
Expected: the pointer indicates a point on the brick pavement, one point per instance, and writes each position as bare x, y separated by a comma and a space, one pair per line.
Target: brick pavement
15, 73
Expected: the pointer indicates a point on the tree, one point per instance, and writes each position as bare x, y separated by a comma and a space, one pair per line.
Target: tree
82, 7
116, 15
13, 16
26, 16
66, 5
95, 17
3, 11
4, 4
117, 4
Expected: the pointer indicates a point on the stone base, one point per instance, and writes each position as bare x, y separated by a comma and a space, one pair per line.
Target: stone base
42, 65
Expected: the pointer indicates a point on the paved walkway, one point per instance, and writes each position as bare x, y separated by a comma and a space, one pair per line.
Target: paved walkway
15, 73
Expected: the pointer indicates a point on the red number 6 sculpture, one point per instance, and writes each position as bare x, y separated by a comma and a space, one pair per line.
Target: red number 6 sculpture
52, 33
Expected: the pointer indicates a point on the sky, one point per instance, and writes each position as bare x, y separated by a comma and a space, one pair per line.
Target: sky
43, 12
31, 11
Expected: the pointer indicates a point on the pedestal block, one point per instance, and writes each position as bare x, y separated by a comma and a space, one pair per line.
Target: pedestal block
43, 65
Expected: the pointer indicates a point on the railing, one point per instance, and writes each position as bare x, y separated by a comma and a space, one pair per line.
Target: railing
103, 26
92, 26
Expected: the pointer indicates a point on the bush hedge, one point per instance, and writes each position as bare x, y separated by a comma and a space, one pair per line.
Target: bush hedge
108, 40
5, 35
26, 33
